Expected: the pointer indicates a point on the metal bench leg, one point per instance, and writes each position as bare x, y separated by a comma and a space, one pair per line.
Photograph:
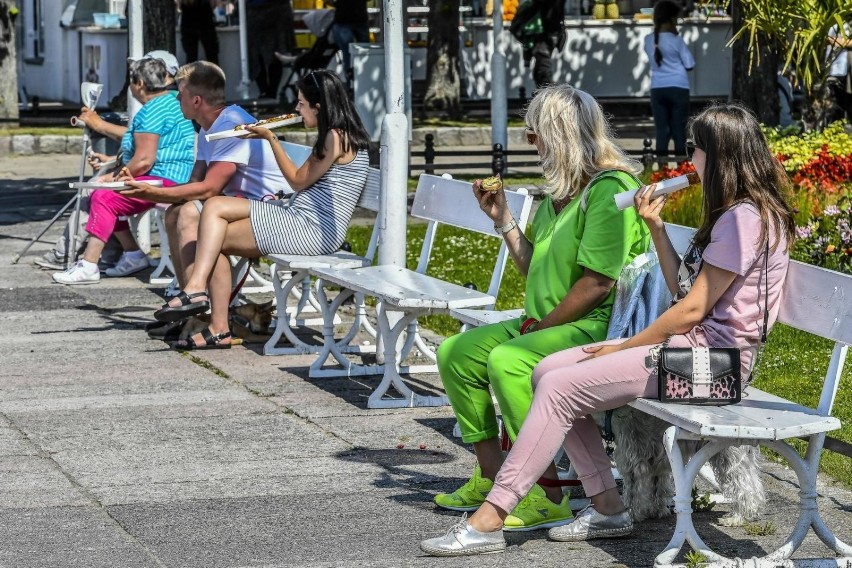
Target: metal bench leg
158, 276
282, 321
684, 478
806, 471
337, 348
392, 378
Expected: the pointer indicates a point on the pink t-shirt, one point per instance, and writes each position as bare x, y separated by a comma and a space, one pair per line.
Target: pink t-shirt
737, 317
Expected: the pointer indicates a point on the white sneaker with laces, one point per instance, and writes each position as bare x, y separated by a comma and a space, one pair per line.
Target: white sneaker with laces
51, 261
79, 273
129, 263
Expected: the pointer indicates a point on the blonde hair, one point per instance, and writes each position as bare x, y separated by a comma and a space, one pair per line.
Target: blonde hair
204, 79
575, 140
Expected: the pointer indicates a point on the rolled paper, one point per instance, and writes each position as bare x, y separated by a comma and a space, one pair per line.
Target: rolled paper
624, 199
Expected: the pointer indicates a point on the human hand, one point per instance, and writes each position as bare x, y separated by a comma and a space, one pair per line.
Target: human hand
90, 118
124, 175
261, 133
106, 178
596, 351
492, 203
137, 189
648, 208
96, 160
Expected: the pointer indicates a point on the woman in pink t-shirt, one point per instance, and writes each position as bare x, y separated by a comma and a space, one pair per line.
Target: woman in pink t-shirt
719, 301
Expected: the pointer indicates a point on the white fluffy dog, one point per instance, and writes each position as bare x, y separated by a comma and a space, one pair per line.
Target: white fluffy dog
641, 459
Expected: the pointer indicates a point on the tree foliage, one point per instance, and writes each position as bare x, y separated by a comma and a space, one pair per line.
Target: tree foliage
798, 29
8, 67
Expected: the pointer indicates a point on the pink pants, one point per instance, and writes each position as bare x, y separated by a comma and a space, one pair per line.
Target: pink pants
105, 208
567, 392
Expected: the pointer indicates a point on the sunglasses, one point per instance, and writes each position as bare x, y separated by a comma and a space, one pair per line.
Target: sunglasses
532, 137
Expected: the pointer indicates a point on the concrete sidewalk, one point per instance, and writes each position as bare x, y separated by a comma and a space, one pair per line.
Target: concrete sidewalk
118, 452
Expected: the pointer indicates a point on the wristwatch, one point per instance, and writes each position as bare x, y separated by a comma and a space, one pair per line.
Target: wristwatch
506, 228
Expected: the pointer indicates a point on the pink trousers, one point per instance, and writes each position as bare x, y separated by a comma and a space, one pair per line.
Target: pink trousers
567, 392
105, 208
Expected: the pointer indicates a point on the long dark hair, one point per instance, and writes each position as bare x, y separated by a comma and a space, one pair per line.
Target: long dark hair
665, 11
336, 112
740, 167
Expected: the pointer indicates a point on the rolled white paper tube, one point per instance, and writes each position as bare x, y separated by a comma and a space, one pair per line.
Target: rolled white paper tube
624, 199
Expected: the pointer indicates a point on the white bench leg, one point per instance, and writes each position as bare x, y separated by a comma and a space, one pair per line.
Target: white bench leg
338, 348
391, 377
282, 321
684, 477
165, 263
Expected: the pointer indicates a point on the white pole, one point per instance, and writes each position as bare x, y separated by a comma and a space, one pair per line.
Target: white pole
394, 141
136, 49
245, 82
499, 112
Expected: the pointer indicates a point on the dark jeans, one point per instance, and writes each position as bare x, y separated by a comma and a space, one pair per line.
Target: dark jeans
189, 39
542, 65
670, 106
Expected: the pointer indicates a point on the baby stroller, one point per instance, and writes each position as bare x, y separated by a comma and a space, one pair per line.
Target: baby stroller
317, 57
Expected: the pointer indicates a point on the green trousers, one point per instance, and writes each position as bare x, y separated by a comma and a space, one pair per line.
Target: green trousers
499, 356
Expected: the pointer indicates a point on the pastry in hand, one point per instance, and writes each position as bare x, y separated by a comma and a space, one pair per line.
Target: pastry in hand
491, 184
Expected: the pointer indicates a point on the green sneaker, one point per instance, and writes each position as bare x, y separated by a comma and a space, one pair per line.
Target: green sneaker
469, 496
536, 511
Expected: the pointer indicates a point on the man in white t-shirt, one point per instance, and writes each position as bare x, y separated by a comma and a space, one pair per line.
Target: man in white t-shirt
839, 78
230, 166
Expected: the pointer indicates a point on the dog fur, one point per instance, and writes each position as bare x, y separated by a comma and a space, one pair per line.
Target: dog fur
641, 459
249, 322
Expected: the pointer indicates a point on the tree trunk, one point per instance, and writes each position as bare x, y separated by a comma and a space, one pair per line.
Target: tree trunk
443, 91
8, 63
160, 20
755, 74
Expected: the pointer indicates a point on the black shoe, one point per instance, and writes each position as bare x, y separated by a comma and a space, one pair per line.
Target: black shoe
169, 331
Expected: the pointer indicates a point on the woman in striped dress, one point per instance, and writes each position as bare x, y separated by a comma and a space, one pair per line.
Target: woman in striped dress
314, 221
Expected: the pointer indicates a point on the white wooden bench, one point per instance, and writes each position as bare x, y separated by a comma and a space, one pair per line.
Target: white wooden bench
291, 270
814, 300
403, 295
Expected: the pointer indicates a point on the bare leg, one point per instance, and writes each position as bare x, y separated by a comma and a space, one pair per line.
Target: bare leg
224, 227
187, 226
490, 458
93, 249
128, 243
219, 289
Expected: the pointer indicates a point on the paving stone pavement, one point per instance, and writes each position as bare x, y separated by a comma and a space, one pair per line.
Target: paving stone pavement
117, 452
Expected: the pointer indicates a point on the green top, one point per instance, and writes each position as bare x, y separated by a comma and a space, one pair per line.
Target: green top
601, 238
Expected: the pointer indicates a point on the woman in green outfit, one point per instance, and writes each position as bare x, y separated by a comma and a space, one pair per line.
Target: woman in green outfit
579, 242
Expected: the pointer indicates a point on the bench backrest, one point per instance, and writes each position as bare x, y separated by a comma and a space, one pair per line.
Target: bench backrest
299, 153
445, 200
814, 300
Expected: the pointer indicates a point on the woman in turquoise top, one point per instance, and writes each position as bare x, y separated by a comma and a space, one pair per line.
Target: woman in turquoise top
578, 243
158, 145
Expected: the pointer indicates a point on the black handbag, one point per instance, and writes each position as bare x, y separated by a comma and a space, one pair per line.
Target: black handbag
707, 375
700, 375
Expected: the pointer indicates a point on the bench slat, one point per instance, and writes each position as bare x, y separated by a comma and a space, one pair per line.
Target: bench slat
340, 259
818, 301
485, 317
405, 288
760, 416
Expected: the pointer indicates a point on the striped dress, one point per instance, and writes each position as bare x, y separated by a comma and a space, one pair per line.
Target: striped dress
316, 219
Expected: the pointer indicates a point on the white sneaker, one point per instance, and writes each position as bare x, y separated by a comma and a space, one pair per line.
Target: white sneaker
79, 273
129, 263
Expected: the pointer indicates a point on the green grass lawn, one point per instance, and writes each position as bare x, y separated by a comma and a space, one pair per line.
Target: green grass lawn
793, 363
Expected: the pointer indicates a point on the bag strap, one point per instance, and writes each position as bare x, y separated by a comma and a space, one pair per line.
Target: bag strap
584, 195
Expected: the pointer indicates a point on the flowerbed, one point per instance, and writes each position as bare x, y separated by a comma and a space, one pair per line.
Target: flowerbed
820, 167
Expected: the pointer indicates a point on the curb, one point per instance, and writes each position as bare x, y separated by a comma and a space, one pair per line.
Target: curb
30, 145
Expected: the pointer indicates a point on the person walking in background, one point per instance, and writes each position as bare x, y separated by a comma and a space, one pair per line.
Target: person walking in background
198, 24
727, 291
670, 60
579, 242
840, 73
270, 23
539, 27
351, 24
